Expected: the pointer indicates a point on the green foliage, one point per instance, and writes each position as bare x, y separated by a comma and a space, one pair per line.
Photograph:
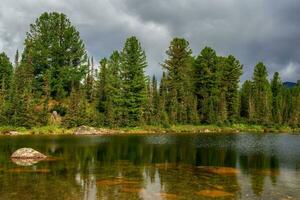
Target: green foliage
277, 103
133, 63
179, 86
6, 72
231, 72
207, 80
52, 43
262, 95
55, 75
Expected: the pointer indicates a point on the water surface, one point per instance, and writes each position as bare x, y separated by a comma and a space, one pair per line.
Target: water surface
233, 166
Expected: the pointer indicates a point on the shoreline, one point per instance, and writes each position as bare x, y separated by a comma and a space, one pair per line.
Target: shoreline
175, 129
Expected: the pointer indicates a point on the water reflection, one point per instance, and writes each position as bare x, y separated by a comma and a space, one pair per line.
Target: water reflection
154, 167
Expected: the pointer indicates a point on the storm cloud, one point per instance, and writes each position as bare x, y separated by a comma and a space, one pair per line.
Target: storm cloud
252, 30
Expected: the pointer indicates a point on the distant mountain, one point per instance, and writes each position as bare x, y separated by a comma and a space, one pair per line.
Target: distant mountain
289, 84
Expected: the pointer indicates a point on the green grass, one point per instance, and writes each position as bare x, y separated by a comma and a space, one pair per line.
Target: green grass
148, 129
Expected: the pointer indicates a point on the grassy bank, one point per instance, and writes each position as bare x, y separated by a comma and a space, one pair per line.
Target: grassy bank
237, 128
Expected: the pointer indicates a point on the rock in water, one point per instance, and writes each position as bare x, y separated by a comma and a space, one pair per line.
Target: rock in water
28, 153
85, 130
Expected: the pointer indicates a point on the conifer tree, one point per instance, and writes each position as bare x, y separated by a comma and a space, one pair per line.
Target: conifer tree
294, 112
247, 101
178, 66
77, 109
102, 87
262, 94
207, 80
21, 103
155, 99
133, 63
89, 81
115, 89
162, 114
277, 103
6, 72
54, 44
231, 77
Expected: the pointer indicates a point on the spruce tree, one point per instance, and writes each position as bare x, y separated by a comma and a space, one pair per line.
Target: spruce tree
262, 94
277, 103
6, 72
115, 89
133, 63
207, 80
155, 99
231, 76
102, 88
21, 102
247, 101
162, 114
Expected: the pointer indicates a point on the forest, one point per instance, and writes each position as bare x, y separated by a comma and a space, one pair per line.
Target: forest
54, 82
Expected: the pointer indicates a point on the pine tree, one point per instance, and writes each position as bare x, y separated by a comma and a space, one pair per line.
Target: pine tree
178, 68
6, 72
89, 81
133, 63
77, 109
115, 88
54, 44
155, 100
294, 112
21, 103
247, 108
102, 88
262, 94
277, 104
231, 77
162, 114
207, 80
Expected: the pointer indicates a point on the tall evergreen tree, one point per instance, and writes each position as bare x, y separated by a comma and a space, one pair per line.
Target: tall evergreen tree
247, 101
162, 114
115, 89
102, 87
21, 103
262, 94
133, 63
231, 77
178, 66
6, 72
277, 103
54, 44
207, 80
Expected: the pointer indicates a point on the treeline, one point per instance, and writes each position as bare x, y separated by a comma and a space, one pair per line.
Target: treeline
54, 82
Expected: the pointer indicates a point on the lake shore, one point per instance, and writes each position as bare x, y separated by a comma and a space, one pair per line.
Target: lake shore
176, 129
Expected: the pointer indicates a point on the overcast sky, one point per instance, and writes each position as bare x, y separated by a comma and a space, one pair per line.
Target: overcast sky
251, 30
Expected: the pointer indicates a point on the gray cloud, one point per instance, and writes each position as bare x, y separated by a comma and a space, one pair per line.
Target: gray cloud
256, 30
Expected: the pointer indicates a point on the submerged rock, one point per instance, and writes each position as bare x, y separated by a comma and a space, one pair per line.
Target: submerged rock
27, 153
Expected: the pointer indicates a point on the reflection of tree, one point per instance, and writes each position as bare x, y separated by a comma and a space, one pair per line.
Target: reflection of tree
216, 157
259, 165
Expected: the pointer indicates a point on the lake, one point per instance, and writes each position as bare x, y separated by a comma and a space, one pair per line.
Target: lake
212, 166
